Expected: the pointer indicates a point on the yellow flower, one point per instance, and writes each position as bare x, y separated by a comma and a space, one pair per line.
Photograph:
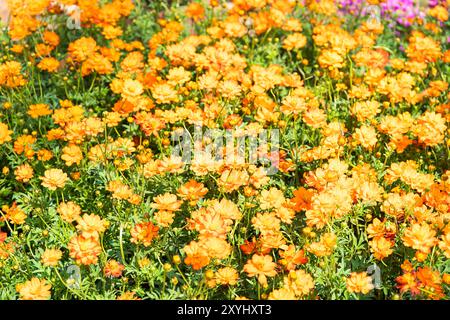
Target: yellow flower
51, 257
54, 179
272, 198
34, 289
227, 276
164, 93
132, 88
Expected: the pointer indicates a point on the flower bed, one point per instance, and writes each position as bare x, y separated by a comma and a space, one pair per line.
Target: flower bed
257, 149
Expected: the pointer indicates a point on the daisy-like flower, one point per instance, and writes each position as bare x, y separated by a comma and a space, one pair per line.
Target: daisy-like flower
34, 289
359, 283
5, 133
54, 179
51, 257
260, 266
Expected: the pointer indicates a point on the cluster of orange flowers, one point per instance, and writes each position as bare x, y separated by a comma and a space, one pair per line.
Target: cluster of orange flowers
343, 167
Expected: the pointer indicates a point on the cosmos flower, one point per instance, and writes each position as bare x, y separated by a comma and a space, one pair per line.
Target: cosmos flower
34, 289
54, 179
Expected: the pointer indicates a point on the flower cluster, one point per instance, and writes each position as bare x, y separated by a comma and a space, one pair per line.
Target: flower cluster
99, 201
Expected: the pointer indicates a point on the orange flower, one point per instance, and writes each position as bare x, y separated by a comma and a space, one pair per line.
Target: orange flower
91, 225
380, 247
422, 48
233, 28
331, 58
227, 276
38, 110
431, 281
120, 190
144, 233
5, 134
113, 269
164, 218
97, 63
51, 257
14, 213
196, 255
24, 173
302, 199
192, 190
299, 282
209, 223
216, 248
282, 294
430, 128
232, 180
84, 250
315, 117
271, 199
325, 246
266, 223
261, 266
359, 283
132, 89
291, 258
34, 289
365, 110
420, 237
51, 38
164, 93
444, 244
195, 11
128, 295
82, 48
54, 179
49, 64
408, 282
166, 202
294, 41
366, 136
24, 144
72, 154
43, 50
111, 32
10, 75
69, 211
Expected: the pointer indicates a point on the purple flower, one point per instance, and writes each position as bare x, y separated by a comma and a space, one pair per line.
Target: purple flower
403, 12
